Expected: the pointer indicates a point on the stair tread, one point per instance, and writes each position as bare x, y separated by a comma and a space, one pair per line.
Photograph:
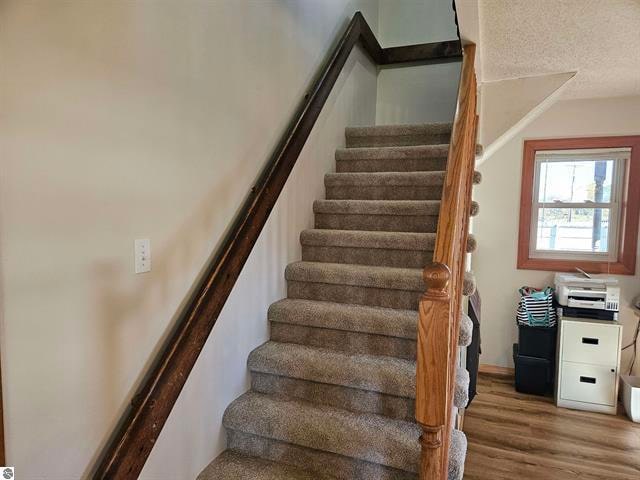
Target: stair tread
356, 275
235, 466
381, 374
390, 322
371, 179
393, 153
368, 239
364, 436
378, 207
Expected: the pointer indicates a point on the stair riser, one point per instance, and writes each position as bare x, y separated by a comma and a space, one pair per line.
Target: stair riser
396, 140
388, 323
380, 223
457, 455
356, 400
367, 256
344, 341
343, 467
392, 165
379, 297
390, 192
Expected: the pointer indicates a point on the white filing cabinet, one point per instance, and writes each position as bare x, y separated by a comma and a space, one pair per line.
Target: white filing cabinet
588, 364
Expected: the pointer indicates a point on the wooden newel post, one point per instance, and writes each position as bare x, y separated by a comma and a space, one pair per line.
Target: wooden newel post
432, 372
436, 278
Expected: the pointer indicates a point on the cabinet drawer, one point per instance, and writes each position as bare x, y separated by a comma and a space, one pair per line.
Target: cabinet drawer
588, 383
590, 343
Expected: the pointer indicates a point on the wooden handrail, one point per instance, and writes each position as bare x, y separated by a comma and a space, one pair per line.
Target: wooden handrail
440, 306
130, 445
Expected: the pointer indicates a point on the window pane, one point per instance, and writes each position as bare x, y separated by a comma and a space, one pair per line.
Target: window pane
573, 229
575, 181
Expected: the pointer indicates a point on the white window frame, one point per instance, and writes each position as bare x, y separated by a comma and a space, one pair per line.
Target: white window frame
620, 157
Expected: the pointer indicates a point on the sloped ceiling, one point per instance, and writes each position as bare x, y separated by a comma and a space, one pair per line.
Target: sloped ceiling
599, 39
507, 106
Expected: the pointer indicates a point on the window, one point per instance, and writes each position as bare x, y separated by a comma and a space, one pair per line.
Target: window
576, 202
579, 204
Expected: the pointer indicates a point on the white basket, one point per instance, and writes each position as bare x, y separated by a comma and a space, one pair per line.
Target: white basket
631, 396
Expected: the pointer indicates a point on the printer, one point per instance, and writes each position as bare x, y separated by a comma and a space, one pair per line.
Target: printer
587, 297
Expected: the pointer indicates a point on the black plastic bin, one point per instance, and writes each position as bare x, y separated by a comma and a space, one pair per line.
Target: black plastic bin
533, 375
473, 350
539, 342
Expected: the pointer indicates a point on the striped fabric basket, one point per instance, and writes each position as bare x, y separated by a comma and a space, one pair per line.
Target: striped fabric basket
536, 307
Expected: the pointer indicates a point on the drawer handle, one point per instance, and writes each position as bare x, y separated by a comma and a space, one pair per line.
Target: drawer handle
590, 341
588, 380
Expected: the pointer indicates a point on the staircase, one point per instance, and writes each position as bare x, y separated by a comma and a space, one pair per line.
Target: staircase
333, 392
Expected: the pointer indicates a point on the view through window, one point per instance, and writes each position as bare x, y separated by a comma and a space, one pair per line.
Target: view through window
577, 198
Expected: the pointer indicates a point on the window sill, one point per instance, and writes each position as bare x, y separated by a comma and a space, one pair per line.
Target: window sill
548, 264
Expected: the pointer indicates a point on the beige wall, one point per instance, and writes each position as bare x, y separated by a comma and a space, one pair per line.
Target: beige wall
496, 227
508, 106
122, 120
424, 93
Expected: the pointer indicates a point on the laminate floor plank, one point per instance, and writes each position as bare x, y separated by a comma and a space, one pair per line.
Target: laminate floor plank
526, 437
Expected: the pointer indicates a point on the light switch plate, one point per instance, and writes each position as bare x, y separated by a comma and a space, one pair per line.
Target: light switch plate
142, 255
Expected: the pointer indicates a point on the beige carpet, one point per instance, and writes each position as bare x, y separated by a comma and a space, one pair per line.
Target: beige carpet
333, 391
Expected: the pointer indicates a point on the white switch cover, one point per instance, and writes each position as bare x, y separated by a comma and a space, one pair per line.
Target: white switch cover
142, 249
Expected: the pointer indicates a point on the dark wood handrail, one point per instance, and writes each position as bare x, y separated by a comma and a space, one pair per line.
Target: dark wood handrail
126, 453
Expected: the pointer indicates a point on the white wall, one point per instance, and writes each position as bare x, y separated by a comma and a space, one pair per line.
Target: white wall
496, 227
424, 93
508, 106
123, 120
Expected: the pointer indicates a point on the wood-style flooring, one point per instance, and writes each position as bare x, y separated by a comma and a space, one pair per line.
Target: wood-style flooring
525, 437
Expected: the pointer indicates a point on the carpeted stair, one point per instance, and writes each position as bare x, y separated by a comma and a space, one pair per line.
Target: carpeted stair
333, 392
377, 215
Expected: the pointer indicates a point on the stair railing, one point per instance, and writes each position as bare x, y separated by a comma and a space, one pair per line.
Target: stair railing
130, 444
441, 304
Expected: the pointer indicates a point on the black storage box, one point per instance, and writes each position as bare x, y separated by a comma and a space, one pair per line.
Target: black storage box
473, 350
533, 375
539, 342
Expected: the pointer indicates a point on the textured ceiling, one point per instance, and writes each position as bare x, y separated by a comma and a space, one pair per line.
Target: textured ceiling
600, 39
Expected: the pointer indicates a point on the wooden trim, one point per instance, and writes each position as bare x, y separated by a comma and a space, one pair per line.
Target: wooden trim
627, 251
440, 307
126, 453
435, 52
432, 376
3, 458
453, 222
496, 370
553, 265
